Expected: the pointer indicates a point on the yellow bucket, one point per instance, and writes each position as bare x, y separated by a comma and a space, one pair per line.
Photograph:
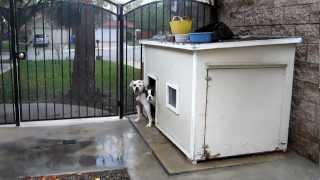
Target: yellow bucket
179, 25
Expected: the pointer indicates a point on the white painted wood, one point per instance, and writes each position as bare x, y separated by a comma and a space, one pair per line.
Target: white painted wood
166, 66
275, 55
219, 45
248, 73
244, 110
193, 103
286, 101
172, 139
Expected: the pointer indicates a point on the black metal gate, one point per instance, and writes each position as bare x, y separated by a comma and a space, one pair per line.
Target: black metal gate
152, 19
80, 55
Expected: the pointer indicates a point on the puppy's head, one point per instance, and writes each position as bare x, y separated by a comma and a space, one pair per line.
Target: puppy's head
150, 96
137, 86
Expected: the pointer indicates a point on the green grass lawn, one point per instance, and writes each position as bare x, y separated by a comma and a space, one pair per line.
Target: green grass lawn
52, 79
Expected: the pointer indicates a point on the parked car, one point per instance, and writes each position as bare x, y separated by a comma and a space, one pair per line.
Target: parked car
73, 39
40, 40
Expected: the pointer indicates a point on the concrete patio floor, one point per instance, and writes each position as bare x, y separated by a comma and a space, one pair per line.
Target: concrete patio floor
96, 146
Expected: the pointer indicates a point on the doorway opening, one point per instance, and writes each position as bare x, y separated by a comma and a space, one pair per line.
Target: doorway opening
152, 87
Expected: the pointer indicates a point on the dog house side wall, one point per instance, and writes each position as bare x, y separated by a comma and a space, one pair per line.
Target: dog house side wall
173, 67
276, 54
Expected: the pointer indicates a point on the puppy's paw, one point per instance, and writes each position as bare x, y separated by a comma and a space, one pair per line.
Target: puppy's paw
137, 119
149, 125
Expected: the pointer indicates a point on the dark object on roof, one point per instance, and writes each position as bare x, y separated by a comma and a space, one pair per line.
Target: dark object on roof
69, 142
221, 30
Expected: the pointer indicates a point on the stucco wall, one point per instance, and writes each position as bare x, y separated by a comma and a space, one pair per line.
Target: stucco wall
288, 18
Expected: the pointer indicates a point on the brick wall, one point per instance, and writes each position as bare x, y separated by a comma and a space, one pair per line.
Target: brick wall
288, 18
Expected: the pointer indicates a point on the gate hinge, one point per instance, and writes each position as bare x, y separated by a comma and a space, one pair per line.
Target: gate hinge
206, 153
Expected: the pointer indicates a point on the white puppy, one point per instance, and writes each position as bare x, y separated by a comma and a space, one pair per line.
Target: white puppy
143, 106
150, 97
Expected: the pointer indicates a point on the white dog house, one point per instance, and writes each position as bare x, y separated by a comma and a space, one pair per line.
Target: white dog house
223, 99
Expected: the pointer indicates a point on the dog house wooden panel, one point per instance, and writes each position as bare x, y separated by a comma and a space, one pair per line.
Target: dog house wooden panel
223, 107
259, 57
173, 67
247, 102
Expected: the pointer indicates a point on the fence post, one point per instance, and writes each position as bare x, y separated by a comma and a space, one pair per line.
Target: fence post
14, 59
121, 51
214, 11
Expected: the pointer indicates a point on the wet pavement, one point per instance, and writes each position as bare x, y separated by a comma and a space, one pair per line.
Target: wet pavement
111, 145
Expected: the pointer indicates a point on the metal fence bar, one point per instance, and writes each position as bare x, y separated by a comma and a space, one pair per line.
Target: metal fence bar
133, 56
149, 18
70, 64
17, 24
204, 15
191, 12
44, 68
44, 78
184, 8
16, 63
178, 7
13, 55
110, 81
126, 70
121, 25
150, 24
117, 59
27, 71
78, 66
163, 18
170, 9
156, 23
96, 46
141, 47
86, 55
12, 89
2, 78
52, 68
197, 18
36, 64
102, 60
62, 63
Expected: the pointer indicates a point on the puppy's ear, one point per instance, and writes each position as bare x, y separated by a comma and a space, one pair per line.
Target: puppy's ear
131, 84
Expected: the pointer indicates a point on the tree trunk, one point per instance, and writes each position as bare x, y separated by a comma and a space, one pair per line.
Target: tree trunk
83, 77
